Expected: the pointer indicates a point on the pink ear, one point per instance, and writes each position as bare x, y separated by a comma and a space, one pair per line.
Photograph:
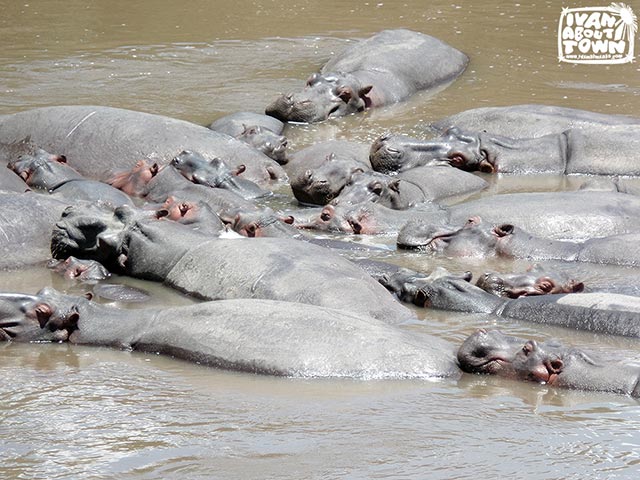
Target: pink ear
364, 91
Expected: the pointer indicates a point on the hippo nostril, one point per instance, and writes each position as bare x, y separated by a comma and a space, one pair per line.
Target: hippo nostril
325, 216
555, 365
504, 230
486, 167
162, 213
355, 226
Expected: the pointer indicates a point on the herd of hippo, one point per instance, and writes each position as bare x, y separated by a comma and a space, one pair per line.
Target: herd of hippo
105, 190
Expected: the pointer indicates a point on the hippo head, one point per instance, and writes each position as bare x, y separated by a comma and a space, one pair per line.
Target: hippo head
41, 169
370, 187
215, 173
526, 284
271, 144
33, 318
418, 288
472, 239
263, 223
324, 183
134, 182
324, 96
354, 219
395, 153
197, 215
492, 352
92, 231
489, 352
83, 270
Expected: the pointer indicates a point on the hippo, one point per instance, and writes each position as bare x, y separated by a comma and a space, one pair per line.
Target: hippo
478, 239
74, 268
26, 222
612, 150
161, 184
319, 172
8, 181
534, 281
556, 215
235, 123
256, 336
409, 188
212, 269
262, 132
550, 362
368, 218
386, 68
214, 173
600, 312
530, 121
44, 171
77, 132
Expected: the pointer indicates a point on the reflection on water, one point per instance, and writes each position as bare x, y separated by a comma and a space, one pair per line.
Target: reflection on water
73, 412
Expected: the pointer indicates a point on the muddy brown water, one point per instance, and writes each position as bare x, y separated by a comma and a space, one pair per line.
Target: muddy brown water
70, 412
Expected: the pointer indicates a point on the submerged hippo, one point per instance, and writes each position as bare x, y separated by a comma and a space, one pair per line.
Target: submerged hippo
611, 150
78, 133
256, 336
384, 69
8, 181
269, 268
550, 362
44, 171
602, 312
478, 239
262, 132
214, 173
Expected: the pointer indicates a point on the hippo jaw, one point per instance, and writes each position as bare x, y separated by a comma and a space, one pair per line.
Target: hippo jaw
29, 318
488, 352
93, 232
324, 96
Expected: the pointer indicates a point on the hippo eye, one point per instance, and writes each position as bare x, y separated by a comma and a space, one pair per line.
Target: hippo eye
334, 109
528, 348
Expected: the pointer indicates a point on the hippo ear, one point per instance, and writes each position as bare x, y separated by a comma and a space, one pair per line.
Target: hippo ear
239, 169
345, 93
394, 185
42, 312
575, 287
363, 92
376, 187
313, 79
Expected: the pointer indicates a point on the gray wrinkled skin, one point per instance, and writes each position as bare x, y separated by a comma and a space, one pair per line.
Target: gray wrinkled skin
383, 69
257, 336
492, 352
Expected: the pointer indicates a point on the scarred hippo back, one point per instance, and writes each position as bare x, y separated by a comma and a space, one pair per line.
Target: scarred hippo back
98, 141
